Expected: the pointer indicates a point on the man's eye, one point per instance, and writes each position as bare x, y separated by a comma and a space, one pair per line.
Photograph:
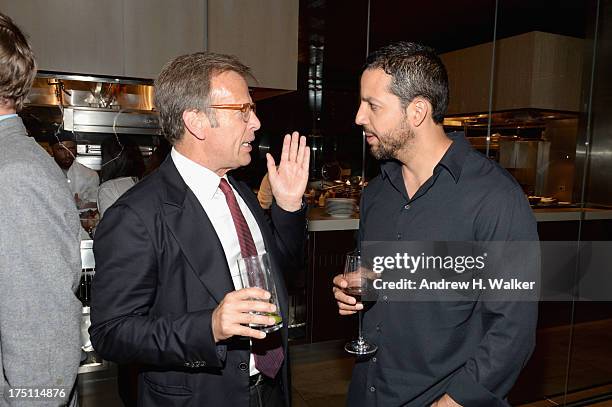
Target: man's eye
373, 107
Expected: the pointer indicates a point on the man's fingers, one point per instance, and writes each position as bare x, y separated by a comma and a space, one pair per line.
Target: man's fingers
286, 146
252, 293
348, 307
342, 297
271, 165
346, 302
255, 306
245, 318
340, 281
295, 142
300, 153
243, 330
306, 160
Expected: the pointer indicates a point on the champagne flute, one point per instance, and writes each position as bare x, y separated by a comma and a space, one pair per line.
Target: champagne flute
356, 276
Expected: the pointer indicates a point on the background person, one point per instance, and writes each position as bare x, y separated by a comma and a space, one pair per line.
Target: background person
82, 181
122, 167
40, 262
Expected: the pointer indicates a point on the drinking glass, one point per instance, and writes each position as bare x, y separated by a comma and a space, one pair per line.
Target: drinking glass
357, 277
255, 271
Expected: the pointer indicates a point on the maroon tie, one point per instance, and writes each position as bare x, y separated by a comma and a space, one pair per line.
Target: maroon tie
269, 351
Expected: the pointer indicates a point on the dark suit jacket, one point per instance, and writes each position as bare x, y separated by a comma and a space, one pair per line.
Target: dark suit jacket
160, 272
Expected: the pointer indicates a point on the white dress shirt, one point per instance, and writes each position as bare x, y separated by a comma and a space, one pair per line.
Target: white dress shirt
205, 185
84, 181
111, 190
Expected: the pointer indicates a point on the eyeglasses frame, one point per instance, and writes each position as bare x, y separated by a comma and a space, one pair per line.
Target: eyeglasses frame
242, 107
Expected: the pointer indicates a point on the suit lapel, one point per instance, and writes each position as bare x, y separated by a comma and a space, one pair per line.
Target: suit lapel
195, 234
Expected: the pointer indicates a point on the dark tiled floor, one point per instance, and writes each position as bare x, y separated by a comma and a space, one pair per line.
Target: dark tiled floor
321, 372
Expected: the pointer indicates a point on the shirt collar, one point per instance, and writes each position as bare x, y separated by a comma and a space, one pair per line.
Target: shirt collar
390, 168
7, 116
454, 157
202, 181
452, 160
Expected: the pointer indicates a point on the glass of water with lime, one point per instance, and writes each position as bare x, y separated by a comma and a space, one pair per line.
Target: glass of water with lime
255, 271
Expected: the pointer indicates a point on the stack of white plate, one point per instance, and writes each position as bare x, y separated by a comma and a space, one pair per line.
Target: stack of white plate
340, 207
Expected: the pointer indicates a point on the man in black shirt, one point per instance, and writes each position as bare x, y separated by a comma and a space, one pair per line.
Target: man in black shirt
434, 187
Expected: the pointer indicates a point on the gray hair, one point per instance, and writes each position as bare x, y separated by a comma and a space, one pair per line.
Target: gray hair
184, 84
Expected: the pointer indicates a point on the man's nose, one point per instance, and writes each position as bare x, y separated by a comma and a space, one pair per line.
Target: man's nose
254, 121
360, 118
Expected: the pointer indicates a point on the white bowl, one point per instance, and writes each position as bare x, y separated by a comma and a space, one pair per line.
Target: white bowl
341, 215
345, 201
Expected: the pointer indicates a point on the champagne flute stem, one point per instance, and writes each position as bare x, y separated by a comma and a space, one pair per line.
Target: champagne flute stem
359, 316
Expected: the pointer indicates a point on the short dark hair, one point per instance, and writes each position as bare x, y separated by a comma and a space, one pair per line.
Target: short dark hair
184, 84
416, 70
120, 160
17, 64
60, 136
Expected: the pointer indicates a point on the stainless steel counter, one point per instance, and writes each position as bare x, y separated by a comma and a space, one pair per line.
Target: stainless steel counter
319, 221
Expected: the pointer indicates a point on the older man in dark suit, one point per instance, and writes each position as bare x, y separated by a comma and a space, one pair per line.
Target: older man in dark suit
166, 294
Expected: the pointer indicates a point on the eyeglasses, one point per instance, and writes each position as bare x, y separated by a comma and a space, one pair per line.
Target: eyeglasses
245, 109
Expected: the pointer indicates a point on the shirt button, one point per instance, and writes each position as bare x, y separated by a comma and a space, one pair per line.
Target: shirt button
377, 328
407, 206
385, 298
372, 389
374, 359
243, 366
399, 236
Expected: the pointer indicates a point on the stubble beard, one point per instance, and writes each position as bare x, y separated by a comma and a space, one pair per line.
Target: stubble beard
390, 145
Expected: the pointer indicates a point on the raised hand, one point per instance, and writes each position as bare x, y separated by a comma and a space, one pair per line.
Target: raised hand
289, 179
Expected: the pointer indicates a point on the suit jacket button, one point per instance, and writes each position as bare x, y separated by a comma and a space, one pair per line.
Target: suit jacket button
243, 366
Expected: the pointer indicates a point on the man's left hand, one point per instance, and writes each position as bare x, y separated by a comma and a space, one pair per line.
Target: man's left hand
288, 181
445, 401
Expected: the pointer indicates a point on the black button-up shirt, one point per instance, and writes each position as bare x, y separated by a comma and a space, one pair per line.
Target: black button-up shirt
473, 351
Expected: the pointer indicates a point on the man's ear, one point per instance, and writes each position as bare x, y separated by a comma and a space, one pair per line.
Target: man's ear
417, 111
196, 123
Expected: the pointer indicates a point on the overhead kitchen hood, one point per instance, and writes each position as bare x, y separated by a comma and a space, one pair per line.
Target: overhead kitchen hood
90, 120
95, 106
91, 107
534, 70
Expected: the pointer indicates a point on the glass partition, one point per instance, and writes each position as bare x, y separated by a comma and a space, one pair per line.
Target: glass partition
589, 373
548, 126
530, 88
